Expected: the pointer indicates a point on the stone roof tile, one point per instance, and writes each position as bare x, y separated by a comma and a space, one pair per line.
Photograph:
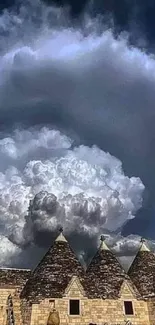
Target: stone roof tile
13, 277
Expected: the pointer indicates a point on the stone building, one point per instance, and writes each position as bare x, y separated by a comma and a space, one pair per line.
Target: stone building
104, 293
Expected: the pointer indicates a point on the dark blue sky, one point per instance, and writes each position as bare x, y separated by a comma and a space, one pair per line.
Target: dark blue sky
135, 16
140, 12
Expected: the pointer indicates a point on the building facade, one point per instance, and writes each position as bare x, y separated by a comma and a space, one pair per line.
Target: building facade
103, 294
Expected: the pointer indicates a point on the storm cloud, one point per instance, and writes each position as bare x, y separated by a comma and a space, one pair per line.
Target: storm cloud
95, 85
99, 92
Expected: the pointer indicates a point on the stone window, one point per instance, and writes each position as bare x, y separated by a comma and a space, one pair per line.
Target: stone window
74, 307
52, 303
128, 307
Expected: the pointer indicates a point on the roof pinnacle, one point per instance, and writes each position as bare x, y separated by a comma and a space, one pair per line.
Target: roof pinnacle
103, 245
143, 247
61, 236
61, 229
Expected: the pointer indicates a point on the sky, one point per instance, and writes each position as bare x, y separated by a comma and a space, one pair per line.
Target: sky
76, 127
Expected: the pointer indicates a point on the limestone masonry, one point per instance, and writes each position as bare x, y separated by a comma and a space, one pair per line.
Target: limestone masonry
104, 293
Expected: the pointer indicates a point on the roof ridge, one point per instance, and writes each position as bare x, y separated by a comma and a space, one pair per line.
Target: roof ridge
14, 268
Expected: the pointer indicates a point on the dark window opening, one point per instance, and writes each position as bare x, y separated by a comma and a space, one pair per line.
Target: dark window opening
128, 307
52, 303
74, 307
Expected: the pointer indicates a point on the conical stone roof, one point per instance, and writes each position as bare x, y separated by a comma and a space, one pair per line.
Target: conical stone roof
104, 275
142, 271
53, 273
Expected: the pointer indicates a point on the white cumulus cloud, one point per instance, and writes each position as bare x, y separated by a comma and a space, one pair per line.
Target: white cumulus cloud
82, 188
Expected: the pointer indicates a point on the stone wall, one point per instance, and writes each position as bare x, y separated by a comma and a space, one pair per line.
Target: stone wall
26, 310
151, 308
92, 310
97, 311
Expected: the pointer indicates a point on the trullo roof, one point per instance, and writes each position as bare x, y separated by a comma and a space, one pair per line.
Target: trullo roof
53, 273
142, 271
104, 275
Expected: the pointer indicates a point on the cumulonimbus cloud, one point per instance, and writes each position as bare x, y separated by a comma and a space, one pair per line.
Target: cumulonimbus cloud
81, 188
83, 82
